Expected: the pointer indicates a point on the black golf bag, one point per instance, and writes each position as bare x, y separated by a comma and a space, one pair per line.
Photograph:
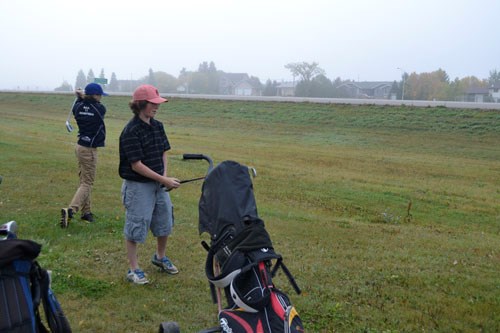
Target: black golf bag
24, 285
241, 260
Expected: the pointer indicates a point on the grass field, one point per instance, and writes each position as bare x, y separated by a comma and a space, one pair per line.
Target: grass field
388, 217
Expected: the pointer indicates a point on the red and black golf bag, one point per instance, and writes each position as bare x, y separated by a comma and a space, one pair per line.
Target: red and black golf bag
241, 260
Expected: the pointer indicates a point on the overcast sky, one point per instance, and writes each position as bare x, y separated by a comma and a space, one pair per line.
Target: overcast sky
44, 42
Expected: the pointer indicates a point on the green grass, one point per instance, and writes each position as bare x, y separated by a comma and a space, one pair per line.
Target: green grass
334, 186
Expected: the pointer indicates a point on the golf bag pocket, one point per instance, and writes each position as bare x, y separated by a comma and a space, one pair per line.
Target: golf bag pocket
24, 286
240, 321
17, 310
279, 316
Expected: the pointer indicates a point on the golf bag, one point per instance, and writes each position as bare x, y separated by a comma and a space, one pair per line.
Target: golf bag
241, 260
23, 286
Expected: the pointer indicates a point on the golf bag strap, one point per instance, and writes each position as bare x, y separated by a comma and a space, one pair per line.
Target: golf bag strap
291, 279
232, 266
221, 280
37, 285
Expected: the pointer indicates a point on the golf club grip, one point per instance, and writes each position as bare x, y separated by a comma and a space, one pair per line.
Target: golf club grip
193, 156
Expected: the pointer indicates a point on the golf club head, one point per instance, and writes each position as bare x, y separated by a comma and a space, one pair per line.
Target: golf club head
8, 230
68, 126
252, 171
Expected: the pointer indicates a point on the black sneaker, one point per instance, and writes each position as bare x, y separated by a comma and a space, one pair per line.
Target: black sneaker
88, 217
66, 216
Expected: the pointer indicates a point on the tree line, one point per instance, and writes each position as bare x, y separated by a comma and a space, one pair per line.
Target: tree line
309, 80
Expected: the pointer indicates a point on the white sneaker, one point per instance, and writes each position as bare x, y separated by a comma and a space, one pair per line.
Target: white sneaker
137, 276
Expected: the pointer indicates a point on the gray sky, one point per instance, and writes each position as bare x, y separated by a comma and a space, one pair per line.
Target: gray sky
44, 42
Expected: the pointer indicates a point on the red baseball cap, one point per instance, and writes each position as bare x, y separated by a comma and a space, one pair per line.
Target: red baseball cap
147, 92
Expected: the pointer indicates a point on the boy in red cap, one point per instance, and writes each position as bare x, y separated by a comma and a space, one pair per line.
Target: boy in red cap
143, 167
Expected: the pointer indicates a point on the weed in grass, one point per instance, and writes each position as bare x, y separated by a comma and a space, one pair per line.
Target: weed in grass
388, 217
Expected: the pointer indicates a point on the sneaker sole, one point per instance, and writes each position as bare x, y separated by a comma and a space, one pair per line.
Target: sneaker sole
64, 218
139, 283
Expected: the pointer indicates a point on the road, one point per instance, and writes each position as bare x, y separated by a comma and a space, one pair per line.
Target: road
352, 101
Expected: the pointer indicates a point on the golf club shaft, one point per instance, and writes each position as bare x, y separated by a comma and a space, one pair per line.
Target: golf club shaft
186, 181
191, 180
71, 109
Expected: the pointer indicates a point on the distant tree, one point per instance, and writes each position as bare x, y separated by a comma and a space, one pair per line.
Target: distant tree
113, 83
255, 82
203, 81
494, 77
183, 72
270, 89
403, 87
458, 87
81, 81
473, 82
165, 82
303, 89
441, 76
65, 86
428, 86
198, 83
336, 91
90, 76
203, 67
395, 90
184, 79
321, 86
211, 67
213, 78
151, 78
102, 76
304, 70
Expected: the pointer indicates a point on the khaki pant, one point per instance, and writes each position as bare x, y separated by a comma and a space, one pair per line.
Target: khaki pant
87, 165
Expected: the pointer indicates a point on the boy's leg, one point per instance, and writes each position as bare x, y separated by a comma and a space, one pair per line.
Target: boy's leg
87, 164
136, 198
161, 246
132, 254
134, 274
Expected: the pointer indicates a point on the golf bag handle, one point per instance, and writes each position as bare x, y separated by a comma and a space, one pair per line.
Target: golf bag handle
200, 157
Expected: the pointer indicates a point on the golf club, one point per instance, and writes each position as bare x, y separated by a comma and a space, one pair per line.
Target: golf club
8, 230
195, 157
252, 171
68, 124
187, 181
